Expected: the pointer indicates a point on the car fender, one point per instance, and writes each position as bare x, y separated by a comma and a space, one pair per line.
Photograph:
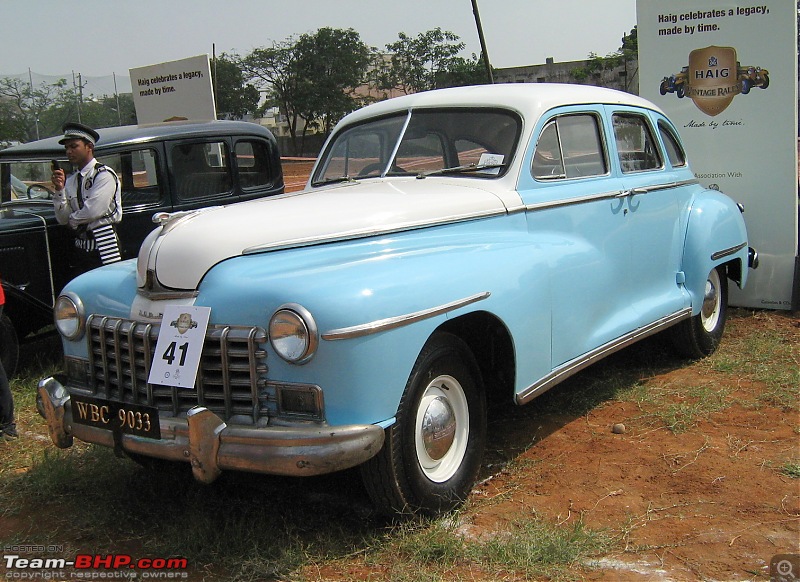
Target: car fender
715, 235
375, 302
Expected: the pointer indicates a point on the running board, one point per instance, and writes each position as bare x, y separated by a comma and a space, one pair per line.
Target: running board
574, 366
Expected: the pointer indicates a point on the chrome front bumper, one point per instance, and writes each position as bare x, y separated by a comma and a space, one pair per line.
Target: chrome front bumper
211, 446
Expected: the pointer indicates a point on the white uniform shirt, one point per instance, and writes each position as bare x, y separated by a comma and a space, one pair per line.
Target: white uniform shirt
101, 198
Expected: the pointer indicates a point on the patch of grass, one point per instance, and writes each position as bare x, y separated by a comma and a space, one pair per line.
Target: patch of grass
527, 548
791, 469
765, 354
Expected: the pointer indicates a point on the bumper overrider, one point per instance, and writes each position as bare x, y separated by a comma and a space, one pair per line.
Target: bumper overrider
205, 441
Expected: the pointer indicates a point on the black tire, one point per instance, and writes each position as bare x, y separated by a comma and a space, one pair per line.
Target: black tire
422, 470
765, 84
746, 84
699, 336
9, 346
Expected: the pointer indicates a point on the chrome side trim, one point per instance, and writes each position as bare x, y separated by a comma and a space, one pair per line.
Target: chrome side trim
608, 195
572, 201
728, 252
574, 366
401, 320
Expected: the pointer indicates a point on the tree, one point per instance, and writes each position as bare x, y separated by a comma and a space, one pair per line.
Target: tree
621, 57
417, 63
463, 72
310, 79
234, 97
30, 113
330, 65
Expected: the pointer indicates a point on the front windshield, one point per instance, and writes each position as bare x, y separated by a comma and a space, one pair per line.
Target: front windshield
424, 143
29, 180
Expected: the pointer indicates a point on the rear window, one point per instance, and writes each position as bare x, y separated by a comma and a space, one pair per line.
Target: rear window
201, 170
253, 163
138, 175
636, 146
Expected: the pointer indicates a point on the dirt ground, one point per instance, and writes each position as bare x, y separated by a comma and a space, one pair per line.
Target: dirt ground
705, 503
296, 172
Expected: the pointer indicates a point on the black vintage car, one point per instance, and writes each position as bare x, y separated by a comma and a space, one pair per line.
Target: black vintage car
162, 168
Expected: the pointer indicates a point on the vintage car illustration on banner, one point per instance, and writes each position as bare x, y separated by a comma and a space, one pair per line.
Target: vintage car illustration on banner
713, 78
450, 247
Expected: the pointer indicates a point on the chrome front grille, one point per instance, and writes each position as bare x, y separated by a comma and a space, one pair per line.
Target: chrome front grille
231, 380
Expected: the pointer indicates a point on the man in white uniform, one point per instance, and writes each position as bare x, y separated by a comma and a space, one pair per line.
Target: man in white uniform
88, 200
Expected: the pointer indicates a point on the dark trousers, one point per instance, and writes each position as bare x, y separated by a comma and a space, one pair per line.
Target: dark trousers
6, 400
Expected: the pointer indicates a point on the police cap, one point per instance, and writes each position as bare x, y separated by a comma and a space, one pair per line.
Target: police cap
74, 130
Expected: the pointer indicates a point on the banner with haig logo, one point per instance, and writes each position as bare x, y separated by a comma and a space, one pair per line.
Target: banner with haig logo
726, 73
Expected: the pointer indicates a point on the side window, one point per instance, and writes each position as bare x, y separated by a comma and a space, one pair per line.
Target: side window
252, 161
635, 144
675, 153
201, 170
138, 175
570, 146
547, 162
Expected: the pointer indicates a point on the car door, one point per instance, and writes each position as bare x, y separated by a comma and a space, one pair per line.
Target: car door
576, 216
652, 210
142, 190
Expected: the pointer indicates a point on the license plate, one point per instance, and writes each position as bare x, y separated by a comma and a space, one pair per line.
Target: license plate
124, 417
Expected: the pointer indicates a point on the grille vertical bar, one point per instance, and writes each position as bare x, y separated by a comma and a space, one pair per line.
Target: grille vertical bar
231, 380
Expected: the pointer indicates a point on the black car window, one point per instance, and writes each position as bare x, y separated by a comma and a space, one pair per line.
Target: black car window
138, 174
675, 153
570, 146
636, 147
201, 170
252, 161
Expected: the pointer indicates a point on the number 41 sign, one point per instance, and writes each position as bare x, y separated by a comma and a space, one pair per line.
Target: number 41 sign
179, 345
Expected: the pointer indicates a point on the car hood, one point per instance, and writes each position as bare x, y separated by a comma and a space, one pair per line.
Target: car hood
187, 245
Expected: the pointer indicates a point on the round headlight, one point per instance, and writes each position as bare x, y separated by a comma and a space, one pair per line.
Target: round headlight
293, 333
70, 316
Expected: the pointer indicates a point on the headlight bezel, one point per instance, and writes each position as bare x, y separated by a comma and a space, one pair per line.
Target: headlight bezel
75, 312
299, 319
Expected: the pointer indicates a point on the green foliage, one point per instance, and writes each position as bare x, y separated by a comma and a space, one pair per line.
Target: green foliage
234, 96
311, 79
30, 112
596, 64
417, 62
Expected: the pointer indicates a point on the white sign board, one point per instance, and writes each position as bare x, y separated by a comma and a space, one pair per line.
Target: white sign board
726, 73
179, 346
174, 91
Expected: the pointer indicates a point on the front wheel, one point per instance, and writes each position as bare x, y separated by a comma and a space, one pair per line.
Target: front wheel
699, 336
432, 453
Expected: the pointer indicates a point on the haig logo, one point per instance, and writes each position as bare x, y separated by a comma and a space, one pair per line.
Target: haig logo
713, 78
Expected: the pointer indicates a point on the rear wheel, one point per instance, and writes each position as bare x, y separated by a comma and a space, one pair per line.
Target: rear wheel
431, 455
700, 335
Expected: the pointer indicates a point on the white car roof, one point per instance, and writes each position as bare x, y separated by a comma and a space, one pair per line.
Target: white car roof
531, 100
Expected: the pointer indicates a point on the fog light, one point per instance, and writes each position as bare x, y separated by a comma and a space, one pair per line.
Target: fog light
300, 400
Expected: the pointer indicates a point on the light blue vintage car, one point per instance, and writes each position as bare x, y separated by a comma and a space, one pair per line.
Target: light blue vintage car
450, 246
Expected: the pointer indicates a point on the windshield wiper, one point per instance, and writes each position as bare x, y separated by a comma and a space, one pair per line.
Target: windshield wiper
327, 181
459, 170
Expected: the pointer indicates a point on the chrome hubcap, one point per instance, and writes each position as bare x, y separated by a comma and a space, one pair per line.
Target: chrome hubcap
438, 428
709, 312
441, 429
